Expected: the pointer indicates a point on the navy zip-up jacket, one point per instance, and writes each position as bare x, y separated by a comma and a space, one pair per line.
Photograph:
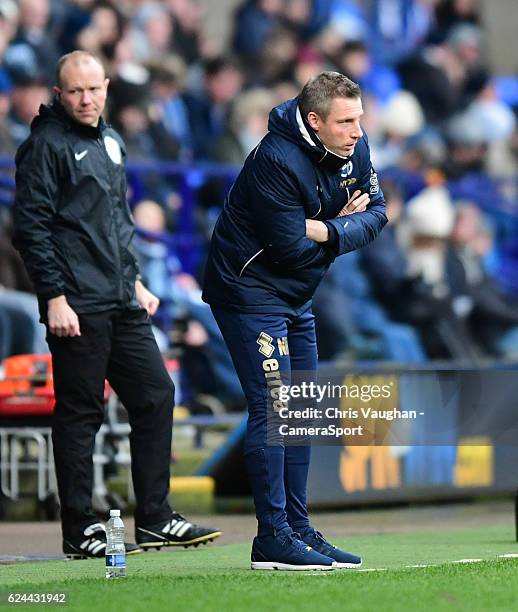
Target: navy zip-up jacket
260, 259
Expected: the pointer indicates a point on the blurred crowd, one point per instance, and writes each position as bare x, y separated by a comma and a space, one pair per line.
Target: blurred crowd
440, 283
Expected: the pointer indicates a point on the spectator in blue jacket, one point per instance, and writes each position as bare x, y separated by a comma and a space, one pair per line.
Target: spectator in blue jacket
306, 194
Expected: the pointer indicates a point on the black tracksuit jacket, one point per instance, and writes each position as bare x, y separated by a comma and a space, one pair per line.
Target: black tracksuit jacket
73, 226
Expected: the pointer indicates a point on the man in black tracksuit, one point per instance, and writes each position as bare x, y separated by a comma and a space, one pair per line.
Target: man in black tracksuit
306, 194
73, 228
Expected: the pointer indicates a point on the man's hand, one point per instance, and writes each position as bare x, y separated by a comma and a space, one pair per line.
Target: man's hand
316, 230
63, 321
146, 299
358, 202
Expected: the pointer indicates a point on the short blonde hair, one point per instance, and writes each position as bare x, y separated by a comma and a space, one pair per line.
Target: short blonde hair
318, 93
78, 54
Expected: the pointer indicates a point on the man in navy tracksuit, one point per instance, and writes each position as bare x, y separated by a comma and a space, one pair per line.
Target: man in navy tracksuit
306, 194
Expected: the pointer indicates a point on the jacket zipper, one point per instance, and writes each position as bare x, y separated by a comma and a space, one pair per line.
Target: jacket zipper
116, 224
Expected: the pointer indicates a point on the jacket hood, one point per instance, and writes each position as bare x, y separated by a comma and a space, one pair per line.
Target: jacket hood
56, 113
286, 120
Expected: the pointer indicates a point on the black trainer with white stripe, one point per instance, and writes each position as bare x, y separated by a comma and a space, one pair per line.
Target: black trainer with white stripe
93, 544
177, 531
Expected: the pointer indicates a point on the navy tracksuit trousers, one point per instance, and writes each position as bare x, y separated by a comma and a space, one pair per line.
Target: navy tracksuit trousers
260, 344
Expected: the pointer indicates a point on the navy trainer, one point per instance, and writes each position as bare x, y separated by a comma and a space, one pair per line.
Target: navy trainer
285, 551
317, 541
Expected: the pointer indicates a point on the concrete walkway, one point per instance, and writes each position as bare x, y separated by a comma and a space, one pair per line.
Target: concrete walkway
42, 540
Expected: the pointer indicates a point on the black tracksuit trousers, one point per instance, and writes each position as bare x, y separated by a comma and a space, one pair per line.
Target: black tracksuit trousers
117, 345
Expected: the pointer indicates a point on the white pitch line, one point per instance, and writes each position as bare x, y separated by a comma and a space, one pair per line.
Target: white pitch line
384, 569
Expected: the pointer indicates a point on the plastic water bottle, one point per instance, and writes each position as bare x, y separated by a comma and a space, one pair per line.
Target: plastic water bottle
115, 550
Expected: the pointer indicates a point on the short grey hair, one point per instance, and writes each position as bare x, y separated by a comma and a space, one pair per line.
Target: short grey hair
318, 93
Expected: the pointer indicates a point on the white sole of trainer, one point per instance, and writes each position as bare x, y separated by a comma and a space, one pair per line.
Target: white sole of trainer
347, 565
275, 565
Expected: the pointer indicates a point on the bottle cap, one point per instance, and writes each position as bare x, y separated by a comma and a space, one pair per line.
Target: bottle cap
115, 512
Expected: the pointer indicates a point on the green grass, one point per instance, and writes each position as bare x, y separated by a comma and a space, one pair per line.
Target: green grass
217, 578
